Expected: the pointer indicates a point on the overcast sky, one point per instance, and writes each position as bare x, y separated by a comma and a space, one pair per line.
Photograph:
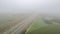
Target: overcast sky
17, 6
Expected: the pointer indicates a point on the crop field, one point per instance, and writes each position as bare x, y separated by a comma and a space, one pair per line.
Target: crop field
29, 24
39, 26
9, 21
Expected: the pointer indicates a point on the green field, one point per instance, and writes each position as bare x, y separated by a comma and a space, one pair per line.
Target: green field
40, 27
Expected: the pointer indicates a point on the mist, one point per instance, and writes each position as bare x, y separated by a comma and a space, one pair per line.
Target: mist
30, 6
29, 16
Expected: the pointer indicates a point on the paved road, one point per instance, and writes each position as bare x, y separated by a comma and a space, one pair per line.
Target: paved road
6, 26
21, 26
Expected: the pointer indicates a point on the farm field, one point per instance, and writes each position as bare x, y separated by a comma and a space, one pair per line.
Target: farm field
29, 24
9, 21
40, 27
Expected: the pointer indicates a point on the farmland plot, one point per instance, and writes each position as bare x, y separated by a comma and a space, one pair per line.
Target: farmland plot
40, 27
8, 21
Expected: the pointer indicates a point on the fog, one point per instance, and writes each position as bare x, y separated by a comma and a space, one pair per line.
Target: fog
30, 6
29, 16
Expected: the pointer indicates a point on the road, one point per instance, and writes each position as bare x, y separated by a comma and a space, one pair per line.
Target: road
21, 26
8, 25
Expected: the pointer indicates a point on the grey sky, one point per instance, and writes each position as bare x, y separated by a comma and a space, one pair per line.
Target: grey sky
34, 5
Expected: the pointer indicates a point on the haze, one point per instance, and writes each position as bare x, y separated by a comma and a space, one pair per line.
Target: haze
30, 6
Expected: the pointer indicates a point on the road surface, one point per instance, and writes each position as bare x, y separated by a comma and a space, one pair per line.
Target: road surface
21, 26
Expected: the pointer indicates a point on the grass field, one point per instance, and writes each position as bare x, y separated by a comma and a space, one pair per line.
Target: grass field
40, 27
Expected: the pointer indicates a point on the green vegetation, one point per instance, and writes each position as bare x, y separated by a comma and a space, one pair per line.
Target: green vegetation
40, 27
38, 23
